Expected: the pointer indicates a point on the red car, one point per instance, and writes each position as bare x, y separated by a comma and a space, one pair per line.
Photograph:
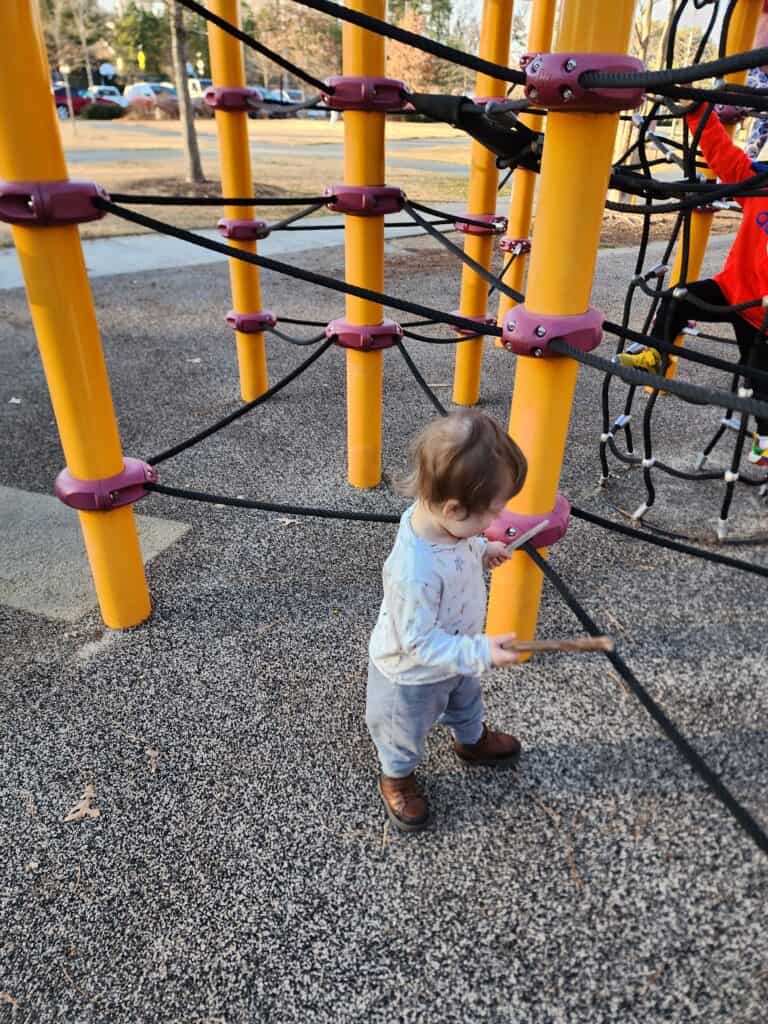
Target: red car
80, 99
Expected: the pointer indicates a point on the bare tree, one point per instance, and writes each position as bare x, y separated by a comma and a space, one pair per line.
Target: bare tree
54, 13
186, 113
415, 67
661, 57
79, 10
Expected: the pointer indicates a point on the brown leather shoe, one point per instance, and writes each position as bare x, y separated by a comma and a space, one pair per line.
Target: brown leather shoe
498, 749
407, 806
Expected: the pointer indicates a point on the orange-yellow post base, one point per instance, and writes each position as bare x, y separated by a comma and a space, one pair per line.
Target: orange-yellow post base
364, 254
62, 311
228, 69
574, 179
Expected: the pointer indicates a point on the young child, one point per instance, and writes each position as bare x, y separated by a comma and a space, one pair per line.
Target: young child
428, 647
744, 276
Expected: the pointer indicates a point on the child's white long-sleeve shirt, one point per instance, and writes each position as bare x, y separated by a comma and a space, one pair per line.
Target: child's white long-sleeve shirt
431, 621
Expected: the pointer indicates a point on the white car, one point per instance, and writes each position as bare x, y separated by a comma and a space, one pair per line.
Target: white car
108, 94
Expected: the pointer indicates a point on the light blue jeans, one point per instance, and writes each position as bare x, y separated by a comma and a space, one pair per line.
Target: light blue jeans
399, 717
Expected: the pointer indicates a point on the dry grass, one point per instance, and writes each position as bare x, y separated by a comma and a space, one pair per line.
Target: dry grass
274, 175
87, 143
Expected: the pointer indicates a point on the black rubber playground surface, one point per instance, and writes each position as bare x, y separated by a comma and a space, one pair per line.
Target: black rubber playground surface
240, 869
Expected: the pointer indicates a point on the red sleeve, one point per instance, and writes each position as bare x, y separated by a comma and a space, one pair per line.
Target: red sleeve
728, 162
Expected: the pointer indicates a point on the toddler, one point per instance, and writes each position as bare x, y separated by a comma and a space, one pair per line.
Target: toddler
428, 647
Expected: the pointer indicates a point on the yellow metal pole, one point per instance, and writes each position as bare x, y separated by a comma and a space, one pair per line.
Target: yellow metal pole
574, 178
228, 69
524, 181
364, 253
483, 182
741, 34
62, 311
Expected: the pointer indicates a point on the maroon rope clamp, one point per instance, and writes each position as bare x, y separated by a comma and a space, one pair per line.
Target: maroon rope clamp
364, 200
515, 246
243, 230
45, 203
251, 323
491, 224
232, 98
364, 92
481, 321
552, 81
364, 338
730, 114
529, 334
109, 492
511, 525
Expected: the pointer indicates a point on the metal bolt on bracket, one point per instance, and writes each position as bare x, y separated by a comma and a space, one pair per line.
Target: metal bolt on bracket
540, 331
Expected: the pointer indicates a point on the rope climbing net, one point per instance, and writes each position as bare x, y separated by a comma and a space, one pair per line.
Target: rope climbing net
496, 124
696, 201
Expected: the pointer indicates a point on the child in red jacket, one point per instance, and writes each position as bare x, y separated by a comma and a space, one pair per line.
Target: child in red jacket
744, 276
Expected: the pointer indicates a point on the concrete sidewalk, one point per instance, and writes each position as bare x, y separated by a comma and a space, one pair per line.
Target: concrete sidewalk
128, 254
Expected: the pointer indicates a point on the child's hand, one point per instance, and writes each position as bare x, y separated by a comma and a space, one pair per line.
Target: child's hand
495, 554
499, 654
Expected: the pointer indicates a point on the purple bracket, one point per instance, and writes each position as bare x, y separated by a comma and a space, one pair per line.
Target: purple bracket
552, 81
529, 334
364, 92
364, 200
515, 246
251, 323
108, 493
510, 525
729, 114
243, 230
44, 203
232, 98
492, 225
364, 338
481, 321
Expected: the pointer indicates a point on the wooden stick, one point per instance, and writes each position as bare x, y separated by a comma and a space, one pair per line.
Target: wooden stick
575, 644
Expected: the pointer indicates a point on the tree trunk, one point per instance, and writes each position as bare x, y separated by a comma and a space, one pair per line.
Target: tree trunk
647, 31
662, 56
186, 113
80, 15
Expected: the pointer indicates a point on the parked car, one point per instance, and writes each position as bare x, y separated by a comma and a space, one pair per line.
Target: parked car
264, 110
316, 112
153, 99
295, 95
108, 94
79, 97
278, 96
197, 87
276, 103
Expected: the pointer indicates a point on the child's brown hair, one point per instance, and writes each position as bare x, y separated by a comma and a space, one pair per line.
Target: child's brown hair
467, 457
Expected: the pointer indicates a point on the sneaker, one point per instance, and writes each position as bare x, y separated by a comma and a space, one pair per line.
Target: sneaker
497, 749
406, 804
758, 456
648, 359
